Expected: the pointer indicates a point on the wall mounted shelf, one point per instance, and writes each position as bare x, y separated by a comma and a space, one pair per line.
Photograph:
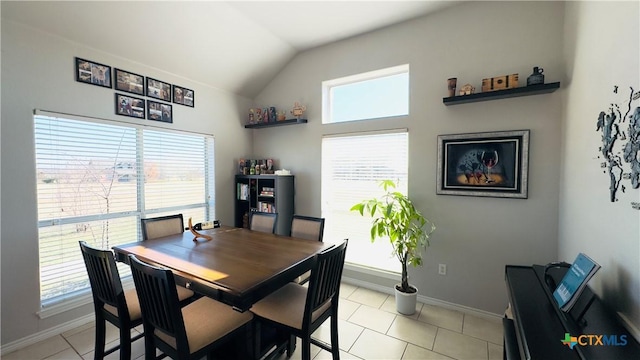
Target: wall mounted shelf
277, 123
502, 94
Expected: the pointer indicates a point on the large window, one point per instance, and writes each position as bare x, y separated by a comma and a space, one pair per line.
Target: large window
352, 167
95, 180
376, 94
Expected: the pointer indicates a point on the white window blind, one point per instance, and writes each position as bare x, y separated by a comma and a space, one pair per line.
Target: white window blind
96, 180
352, 167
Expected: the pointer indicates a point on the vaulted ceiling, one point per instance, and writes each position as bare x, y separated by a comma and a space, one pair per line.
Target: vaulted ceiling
236, 46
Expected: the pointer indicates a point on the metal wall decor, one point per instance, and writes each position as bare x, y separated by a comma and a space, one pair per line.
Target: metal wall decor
619, 156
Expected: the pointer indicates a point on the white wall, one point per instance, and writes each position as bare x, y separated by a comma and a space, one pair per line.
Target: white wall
602, 49
475, 237
38, 73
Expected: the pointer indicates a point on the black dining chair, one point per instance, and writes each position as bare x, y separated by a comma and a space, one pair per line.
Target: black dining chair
310, 228
111, 302
301, 310
153, 228
185, 333
263, 221
307, 227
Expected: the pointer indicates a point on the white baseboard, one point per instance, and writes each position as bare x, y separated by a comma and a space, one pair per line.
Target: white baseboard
45, 334
425, 299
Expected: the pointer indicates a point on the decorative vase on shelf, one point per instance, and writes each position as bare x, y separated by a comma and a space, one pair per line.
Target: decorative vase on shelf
537, 77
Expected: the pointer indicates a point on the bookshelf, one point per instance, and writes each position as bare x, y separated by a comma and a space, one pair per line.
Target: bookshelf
265, 193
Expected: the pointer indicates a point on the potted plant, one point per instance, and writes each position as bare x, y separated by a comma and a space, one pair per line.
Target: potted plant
408, 231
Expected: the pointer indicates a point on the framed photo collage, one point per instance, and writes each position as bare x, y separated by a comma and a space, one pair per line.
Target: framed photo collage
158, 108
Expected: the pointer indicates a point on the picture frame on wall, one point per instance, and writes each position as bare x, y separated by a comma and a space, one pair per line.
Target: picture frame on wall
129, 106
91, 72
158, 111
129, 82
158, 89
183, 96
491, 164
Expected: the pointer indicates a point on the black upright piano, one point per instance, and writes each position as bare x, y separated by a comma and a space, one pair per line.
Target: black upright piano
539, 327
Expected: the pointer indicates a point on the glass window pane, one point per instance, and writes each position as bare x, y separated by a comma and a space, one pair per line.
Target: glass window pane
90, 181
383, 93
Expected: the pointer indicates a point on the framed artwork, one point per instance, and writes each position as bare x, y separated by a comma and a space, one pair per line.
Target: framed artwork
493, 164
93, 73
159, 111
158, 89
129, 106
183, 96
129, 82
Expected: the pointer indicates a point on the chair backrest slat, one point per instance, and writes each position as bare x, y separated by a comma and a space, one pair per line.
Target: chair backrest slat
103, 275
153, 228
325, 278
158, 298
307, 227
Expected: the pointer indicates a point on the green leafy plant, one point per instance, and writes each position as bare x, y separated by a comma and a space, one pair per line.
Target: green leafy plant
395, 216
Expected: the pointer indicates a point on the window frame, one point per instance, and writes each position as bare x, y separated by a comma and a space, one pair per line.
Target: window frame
72, 299
328, 85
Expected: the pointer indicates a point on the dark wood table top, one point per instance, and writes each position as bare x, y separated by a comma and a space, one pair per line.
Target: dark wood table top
237, 266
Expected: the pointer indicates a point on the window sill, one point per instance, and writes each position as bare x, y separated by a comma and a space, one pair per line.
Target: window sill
74, 302
385, 274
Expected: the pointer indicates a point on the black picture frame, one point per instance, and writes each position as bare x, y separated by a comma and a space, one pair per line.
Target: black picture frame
183, 96
158, 89
129, 106
128, 82
91, 72
465, 165
158, 111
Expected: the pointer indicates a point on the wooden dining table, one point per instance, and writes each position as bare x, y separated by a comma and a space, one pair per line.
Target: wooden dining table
237, 266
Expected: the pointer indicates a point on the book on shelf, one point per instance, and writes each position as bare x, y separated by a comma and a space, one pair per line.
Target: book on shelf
266, 207
267, 191
574, 281
242, 191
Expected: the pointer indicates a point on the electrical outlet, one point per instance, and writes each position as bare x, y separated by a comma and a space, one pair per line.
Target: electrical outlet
442, 269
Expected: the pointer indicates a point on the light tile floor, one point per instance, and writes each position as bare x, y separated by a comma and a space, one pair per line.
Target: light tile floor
369, 328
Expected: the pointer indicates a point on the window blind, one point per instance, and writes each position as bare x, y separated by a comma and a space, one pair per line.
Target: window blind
352, 168
96, 180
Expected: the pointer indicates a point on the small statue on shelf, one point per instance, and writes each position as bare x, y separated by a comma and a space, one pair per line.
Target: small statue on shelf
467, 89
298, 110
272, 114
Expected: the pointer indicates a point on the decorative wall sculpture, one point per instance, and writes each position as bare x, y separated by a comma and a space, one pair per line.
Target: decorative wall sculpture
621, 162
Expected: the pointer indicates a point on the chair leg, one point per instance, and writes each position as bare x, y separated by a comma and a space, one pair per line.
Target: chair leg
257, 343
149, 345
291, 345
335, 348
125, 342
100, 336
245, 343
306, 347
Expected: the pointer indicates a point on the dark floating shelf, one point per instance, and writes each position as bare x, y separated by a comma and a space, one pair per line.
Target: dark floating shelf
502, 94
277, 123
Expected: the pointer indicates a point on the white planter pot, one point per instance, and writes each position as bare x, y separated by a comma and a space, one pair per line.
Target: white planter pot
406, 302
